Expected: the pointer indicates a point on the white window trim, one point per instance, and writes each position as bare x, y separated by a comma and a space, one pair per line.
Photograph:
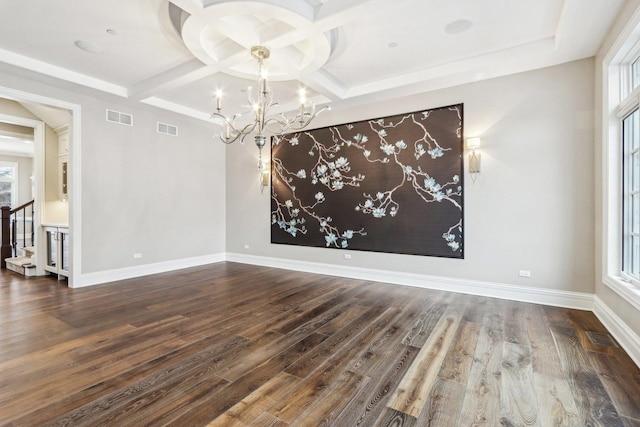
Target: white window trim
629, 194
15, 180
615, 83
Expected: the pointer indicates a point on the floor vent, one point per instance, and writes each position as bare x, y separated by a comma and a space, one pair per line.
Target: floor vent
602, 339
167, 129
120, 118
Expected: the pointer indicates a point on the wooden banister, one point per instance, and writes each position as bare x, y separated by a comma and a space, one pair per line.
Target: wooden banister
22, 206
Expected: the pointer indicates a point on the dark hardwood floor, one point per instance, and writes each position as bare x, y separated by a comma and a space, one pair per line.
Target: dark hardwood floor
232, 344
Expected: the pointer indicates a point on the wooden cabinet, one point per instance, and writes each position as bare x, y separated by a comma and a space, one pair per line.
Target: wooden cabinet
57, 239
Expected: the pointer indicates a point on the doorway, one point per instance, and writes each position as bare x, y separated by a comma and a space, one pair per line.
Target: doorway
53, 132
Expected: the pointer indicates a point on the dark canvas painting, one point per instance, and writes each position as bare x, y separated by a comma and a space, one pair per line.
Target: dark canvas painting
387, 185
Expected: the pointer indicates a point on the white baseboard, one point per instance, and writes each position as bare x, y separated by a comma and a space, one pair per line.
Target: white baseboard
577, 300
627, 338
89, 279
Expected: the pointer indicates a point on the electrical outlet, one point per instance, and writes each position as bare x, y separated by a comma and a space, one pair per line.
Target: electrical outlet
347, 256
524, 273
246, 246
138, 255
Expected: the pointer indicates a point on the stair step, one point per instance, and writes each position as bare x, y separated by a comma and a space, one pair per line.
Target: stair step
21, 265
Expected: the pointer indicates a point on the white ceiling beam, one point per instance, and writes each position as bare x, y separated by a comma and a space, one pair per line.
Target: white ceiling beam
183, 75
562, 20
177, 108
577, 15
331, 15
166, 80
61, 73
169, 82
325, 84
189, 6
320, 81
506, 58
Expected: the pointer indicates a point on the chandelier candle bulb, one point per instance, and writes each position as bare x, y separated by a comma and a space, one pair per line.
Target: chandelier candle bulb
219, 99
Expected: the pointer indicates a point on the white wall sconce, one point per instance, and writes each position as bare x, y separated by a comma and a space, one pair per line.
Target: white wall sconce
265, 177
474, 158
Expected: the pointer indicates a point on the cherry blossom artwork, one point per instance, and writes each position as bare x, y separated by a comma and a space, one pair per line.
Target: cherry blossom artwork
386, 185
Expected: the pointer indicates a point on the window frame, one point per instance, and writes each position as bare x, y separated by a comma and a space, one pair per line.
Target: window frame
618, 98
630, 106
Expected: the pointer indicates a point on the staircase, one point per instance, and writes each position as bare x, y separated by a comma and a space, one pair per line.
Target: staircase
18, 239
23, 264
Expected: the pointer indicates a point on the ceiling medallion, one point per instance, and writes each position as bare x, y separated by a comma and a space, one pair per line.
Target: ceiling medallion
220, 34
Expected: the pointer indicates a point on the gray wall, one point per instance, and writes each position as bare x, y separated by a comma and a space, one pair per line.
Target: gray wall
144, 192
531, 207
141, 192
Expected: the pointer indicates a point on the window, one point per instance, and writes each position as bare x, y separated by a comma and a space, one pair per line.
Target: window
8, 179
631, 194
620, 166
622, 189
618, 217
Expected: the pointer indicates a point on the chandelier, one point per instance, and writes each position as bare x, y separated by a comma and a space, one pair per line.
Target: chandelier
260, 106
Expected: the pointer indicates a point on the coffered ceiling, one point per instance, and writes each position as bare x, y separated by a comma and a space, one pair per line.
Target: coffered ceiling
175, 53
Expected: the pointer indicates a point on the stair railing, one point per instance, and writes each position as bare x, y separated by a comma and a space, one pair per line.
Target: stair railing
11, 219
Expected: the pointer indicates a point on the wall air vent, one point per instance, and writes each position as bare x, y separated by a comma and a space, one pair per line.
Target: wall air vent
120, 118
167, 129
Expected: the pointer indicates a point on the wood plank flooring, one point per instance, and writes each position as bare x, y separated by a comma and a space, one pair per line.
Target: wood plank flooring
237, 345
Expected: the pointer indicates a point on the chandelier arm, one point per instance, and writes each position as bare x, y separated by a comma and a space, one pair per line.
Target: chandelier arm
247, 129
283, 125
250, 96
311, 116
266, 104
234, 132
287, 123
230, 123
278, 120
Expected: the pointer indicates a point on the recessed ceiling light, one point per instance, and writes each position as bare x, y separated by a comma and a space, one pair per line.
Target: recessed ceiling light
392, 45
89, 47
457, 27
